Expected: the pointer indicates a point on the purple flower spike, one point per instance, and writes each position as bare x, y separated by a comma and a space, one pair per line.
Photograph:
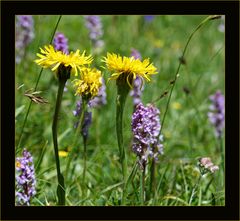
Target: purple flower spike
136, 54
94, 25
78, 108
24, 34
146, 128
136, 92
87, 119
100, 99
61, 43
86, 124
25, 177
149, 18
216, 114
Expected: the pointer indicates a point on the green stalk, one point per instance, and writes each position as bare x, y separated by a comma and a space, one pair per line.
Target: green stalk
121, 100
222, 159
142, 186
153, 178
84, 154
72, 156
61, 187
122, 92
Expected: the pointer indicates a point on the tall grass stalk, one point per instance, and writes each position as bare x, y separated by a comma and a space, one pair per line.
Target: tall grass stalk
35, 88
222, 159
173, 83
194, 189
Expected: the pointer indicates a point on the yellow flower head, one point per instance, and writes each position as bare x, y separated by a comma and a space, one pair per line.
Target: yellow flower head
62, 153
129, 68
18, 164
89, 84
50, 58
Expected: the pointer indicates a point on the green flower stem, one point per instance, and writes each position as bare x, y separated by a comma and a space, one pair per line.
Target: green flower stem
153, 178
142, 187
73, 155
61, 187
84, 156
122, 92
121, 100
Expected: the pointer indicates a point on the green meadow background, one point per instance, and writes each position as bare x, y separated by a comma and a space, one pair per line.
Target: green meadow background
187, 131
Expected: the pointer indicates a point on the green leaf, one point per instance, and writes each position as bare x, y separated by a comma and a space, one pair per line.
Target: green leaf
19, 110
61, 190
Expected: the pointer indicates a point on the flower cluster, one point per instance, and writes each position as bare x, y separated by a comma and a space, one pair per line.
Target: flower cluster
146, 128
25, 177
89, 84
50, 58
216, 114
100, 99
136, 92
129, 68
94, 25
24, 34
95, 102
206, 165
60, 43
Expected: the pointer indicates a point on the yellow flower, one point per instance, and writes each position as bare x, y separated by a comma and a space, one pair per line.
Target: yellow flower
18, 164
129, 68
50, 58
63, 153
89, 84
176, 105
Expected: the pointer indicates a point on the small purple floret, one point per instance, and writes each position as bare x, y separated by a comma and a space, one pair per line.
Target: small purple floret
24, 34
138, 87
60, 43
94, 25
25, 179
216, 114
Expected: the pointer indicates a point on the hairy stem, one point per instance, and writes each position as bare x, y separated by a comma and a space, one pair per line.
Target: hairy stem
61, 187
122, 92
